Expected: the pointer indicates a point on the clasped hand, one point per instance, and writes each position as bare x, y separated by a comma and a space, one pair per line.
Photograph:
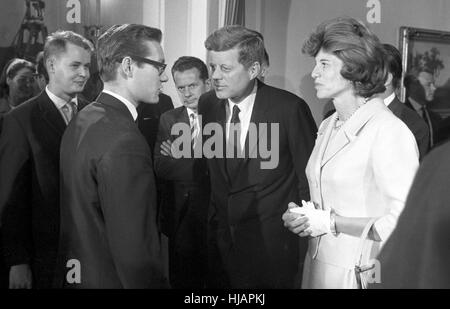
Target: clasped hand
306, 220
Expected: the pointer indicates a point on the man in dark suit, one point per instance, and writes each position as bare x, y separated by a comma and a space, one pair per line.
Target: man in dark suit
420, 88
185, 213
414, 122
416, 255
29, 161
108, 194
247, 243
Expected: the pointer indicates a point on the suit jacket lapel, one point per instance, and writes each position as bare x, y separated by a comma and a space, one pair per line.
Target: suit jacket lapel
50, 114
323, 136
351, 128
220, 118
258, 116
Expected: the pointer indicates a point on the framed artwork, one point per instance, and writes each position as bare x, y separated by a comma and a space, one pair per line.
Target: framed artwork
430, 50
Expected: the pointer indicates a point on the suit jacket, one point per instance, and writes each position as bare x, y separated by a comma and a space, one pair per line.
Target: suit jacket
435, 120
365, 170
418, 257
249, 246
184, 212
148, 121
4, 108
184, 173
148, 118
415, 123
108, 201
29, 182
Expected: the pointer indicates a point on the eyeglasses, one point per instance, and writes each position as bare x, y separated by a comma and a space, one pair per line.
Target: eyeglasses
158, 65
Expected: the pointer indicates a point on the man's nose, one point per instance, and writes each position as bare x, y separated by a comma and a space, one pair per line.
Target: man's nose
314, 73
163, 77
186, 92
216, 74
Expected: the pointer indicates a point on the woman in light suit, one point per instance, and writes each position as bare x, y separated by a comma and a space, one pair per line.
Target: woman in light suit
364, 159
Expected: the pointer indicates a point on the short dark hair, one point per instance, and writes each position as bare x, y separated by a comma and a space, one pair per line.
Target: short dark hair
359, 49
56, 43
393, 60
250, 43
186, 63
120, 41
10, 70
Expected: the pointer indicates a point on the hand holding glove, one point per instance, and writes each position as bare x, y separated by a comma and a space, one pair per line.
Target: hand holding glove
318, 219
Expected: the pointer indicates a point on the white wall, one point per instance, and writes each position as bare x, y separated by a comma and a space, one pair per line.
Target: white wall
286, 24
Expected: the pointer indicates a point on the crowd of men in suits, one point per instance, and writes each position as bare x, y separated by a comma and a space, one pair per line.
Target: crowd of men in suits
100, 183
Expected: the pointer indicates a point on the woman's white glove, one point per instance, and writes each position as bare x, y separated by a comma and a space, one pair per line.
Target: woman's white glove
318, 219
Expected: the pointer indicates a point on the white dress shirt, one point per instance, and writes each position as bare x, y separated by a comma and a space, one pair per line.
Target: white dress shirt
59, 102
389, 99
246, 108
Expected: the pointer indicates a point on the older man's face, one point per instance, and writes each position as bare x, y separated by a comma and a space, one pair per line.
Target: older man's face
231, 80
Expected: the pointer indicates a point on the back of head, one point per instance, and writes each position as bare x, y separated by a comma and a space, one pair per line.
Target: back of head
357, 47
10, 70
185, 63
393, 60
120, 41
250, 43
56, 43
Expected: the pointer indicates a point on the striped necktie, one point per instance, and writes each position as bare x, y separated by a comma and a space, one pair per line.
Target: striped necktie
69, 110
194, 129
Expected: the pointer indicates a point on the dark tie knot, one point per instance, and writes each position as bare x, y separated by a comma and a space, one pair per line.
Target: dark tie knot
235, 116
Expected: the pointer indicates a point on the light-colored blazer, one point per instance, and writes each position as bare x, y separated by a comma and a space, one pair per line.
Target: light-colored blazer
367, 172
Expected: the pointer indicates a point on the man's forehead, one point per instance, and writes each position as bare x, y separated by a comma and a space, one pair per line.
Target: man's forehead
226, 55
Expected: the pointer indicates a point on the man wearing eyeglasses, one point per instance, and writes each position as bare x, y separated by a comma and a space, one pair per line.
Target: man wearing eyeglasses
184, 213
109, 236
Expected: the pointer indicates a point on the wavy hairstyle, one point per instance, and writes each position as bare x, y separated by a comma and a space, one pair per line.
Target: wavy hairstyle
359, 49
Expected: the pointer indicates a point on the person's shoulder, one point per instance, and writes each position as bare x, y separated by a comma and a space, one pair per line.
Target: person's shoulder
165, 101
282, 100
411, 118
28, 107
172, 113
208, 102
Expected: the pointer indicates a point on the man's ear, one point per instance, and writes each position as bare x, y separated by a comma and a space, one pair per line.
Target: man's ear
208, 84
254, 70
126, 67
50, 64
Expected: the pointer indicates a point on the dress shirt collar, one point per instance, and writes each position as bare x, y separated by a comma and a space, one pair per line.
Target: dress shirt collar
127, 103
59, 102
389, 99
190, 112
245, 106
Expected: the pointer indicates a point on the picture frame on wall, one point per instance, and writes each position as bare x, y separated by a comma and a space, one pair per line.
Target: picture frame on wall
430, 50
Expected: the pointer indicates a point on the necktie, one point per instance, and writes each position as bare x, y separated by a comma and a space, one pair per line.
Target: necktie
69, 110
234, 142
194, 129
426, 117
